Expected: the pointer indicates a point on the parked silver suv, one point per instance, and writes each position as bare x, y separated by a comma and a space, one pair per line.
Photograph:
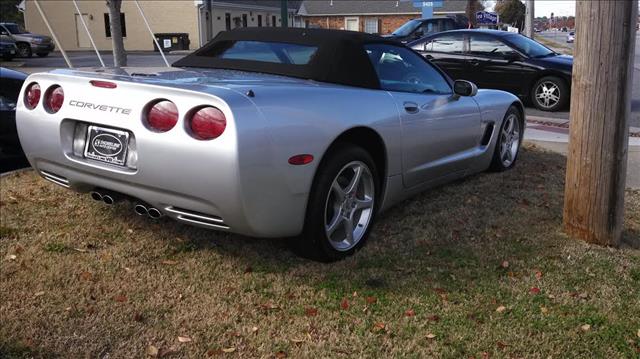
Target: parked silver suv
26, 42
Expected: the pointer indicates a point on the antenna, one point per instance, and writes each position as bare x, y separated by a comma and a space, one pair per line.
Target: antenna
53, 34
151, 32
88, 33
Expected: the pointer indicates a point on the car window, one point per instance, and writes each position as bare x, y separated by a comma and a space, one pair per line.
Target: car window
452, 43
263, 51
400, 69
482, 45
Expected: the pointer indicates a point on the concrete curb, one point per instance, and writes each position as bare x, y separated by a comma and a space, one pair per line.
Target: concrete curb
558, 122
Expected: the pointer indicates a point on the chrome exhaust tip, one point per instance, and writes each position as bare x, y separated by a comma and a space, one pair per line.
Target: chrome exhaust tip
96, 196
107, 199
154, 213
141, 210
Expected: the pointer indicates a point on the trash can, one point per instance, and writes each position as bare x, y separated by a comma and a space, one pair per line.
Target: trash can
172, 41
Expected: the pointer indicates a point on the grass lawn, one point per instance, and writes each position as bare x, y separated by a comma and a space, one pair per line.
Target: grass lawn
478, 268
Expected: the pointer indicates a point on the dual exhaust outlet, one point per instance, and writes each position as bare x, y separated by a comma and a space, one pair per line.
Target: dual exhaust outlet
141, 209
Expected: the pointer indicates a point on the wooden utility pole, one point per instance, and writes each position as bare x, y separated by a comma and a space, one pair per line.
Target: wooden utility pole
528, 19
599, 120
115, 26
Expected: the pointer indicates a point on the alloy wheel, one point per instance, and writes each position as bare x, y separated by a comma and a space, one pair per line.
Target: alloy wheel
547, 94
509, 140
349, 206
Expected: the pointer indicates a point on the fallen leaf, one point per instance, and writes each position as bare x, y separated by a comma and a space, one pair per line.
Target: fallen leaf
184, 339
371, 300
501, 309
431, 336
409, 313
638, 333
434, 318
586, 327
13, 257
538, 274
534, 290
268, 306
120, 298
38, 294
505, 264
344, 304
281, 355
229, 350
583, 295
169, 262
440, 291
501, 345
129, 230
297, 341
152, 351
544, 310
86, 275
378, 327
248, 269
254, 329
311, 312
212, 352
138, 317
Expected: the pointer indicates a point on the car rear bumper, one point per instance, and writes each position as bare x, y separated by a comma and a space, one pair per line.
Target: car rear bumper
228, 184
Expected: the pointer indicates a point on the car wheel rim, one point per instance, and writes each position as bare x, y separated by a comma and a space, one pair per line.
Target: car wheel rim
23, 50
548, 94
349, 206
509, 140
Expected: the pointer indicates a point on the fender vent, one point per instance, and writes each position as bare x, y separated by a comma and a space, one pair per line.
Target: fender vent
193, 217
488, 131
57, 179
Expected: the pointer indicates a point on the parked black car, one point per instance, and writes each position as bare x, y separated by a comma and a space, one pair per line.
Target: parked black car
11, 155
7, 50
502, 60
418, 28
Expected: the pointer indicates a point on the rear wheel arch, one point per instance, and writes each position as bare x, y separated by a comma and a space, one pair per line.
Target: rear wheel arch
369, 140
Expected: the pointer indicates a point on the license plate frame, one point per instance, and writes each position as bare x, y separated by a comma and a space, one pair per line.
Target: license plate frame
107, 145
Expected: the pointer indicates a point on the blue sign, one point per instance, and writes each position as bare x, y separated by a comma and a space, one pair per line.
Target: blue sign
485, 17
427, 7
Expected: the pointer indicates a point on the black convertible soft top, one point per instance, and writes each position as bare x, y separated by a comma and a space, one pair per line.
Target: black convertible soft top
340, 56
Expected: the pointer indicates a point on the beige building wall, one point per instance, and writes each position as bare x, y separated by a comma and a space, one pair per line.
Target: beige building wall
220, 14
163, 15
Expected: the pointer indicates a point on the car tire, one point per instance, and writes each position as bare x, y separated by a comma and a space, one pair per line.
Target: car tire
508, 142
550, 93
333, 207
24, 49
42, 54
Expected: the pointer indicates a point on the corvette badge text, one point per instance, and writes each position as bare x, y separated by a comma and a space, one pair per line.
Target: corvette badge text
105, 108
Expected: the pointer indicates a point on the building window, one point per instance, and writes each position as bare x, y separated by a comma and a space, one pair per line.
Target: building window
371, 25
273, 21
107, 25
244, 20
259, 20
227, 21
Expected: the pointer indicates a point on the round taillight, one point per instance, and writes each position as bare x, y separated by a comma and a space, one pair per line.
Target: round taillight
162, 116
32, 96
54, 98
208, 123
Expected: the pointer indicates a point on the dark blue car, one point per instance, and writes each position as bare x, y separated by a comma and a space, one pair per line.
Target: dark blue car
504, 61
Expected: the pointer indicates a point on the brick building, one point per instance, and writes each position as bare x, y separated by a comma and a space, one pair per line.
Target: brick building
376, 17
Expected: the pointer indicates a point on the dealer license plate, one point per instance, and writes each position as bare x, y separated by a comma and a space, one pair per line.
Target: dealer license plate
107, 145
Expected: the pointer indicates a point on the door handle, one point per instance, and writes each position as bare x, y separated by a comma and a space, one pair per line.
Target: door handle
473, 62
428, 57
411, 107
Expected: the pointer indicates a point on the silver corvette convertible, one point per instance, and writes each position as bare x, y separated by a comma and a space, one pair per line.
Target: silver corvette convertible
300, 133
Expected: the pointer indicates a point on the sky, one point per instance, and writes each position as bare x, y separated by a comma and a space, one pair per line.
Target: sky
546, 7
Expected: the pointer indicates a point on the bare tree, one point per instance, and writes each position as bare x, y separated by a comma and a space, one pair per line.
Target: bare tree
119, 53
600, 112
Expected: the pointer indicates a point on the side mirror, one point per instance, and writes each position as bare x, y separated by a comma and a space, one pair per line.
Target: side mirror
465, 88
418, 34
512, 56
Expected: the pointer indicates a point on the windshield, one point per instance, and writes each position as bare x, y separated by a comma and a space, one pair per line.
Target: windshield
529, 47
407, 28
15, 29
